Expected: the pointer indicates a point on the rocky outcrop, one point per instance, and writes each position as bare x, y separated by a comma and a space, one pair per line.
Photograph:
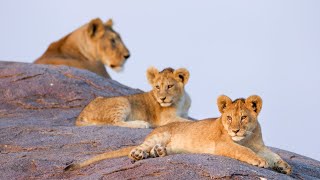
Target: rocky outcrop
38, 106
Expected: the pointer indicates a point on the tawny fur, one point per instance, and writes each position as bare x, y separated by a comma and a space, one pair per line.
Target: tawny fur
89, 47
236, 134
167, 102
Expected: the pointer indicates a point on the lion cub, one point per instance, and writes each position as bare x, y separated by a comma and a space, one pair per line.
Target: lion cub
89, 47
236, 134
167, 102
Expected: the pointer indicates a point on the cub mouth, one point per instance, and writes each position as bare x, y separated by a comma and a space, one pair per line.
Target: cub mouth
165, 104
237, 138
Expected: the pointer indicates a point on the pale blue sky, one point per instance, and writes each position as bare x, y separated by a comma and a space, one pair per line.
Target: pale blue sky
270, 48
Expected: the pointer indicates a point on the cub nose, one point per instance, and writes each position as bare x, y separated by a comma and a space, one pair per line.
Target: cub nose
235, 131
163, 98
126, 56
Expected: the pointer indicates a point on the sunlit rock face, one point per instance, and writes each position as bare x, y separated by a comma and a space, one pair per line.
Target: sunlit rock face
38, 107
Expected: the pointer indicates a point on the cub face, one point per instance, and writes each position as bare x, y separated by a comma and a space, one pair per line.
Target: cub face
106, 44
167, 85
239, 117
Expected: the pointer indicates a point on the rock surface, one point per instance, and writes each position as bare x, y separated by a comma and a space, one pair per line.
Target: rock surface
38, 106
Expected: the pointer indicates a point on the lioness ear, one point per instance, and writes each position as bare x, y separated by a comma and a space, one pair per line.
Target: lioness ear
151, 74
109, 23
96, 28
254, 103
182, 74
223, 101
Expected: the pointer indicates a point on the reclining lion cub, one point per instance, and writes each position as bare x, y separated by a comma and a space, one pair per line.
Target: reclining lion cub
89, 47
236, 134
167, 102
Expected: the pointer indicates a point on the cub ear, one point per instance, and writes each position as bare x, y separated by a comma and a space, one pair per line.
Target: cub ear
109, 23
151, 74
223, 101
254, 103
182, 74
96, 28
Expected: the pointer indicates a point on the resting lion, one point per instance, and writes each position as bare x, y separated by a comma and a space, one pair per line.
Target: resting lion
167, 102
89, 47
236, 134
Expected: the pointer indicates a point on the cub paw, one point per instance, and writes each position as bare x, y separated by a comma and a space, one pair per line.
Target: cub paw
158, 151
142, 124
138, 154
260, 162
282, 167
146, 125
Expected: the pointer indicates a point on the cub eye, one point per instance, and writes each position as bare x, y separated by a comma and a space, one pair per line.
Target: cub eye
243, 118
113, 41
170, 86
158, 87
229, 118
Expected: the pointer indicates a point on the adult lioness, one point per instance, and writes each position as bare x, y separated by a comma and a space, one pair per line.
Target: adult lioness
236, 134
89, 47
166, 102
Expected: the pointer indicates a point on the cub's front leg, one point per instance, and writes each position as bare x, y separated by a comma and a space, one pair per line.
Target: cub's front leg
240, 153
133, 124
140, 153
275, 161
153, 146
158, 151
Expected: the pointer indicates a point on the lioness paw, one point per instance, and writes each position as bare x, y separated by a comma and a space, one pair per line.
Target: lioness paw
158, 151
282, 167
138, 154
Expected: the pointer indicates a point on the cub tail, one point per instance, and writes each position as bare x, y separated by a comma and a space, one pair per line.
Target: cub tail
107, 155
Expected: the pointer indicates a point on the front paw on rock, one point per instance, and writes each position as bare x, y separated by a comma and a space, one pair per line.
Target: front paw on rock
260, 162
282, 167
158, 151
138, 154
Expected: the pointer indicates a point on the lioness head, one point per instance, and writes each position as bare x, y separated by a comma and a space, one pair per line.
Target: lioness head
106, 44
239, 117
167, 85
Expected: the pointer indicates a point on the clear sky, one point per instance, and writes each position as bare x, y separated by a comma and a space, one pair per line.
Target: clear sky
238, 48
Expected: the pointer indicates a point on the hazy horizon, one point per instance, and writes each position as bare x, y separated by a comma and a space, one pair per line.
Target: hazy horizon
237, 48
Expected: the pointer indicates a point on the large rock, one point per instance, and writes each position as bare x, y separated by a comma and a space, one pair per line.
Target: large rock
38, 106
49, 95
